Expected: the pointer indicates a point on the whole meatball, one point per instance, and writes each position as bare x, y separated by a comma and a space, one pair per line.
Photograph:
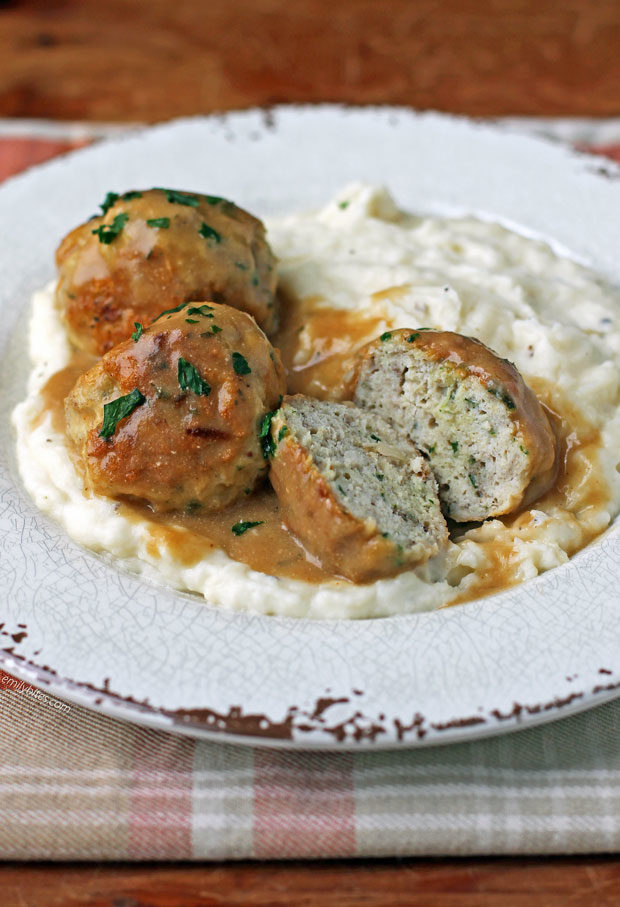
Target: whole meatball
154, 249
173, 415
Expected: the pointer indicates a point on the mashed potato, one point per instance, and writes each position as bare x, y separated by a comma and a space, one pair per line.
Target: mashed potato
556, 320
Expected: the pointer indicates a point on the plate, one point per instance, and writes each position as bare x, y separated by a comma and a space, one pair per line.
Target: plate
74, 624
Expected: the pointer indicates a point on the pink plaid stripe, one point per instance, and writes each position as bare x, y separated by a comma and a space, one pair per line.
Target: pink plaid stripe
18, 153
160, 816
304, 805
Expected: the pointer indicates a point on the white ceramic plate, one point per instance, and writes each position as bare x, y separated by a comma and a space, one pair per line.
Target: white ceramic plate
71, 622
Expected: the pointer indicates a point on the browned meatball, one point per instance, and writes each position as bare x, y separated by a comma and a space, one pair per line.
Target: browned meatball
361, 500
486, 436
154, 249
172, 416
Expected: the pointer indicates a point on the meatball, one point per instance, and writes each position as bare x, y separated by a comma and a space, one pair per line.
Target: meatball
486, 436
155, 249
361, 501
172, 416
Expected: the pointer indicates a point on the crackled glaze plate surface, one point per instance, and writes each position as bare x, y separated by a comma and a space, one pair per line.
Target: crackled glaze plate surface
76, 625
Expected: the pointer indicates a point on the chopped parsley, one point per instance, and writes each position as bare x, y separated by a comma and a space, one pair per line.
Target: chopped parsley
215, 329
344, 205
244, 525
177, 308
129, 196
282, 433
242, 266
240, 364
204, 310
523, 450
209, 233
503, 396
341, 490
119, 409
109, 200
431, 448
386, 335
267, 444
470, 401
375, 438
180, 198
189, 378
162, 223
454, 445
380, 476
138, 331
192, 507
192, 320
412, 337
472, 460
472, 479
108, 232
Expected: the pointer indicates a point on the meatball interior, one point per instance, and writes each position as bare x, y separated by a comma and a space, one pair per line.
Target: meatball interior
172, 416
154, 249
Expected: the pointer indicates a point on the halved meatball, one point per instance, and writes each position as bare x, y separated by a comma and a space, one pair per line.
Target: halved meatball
172, 416
365, 504
154, 249
486, 436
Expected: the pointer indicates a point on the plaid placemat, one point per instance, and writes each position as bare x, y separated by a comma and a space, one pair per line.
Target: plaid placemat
78, 785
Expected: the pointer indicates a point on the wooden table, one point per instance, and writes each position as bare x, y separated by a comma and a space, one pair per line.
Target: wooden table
148, 60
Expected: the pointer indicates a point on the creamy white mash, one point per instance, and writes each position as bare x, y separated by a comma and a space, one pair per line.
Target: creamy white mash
556, 320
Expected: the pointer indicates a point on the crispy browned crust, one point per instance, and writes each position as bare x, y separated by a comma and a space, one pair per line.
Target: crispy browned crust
471, 357
104, 288
179, 448
344, 545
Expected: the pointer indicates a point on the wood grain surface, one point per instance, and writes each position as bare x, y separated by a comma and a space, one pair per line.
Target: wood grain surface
149, 60
586, 882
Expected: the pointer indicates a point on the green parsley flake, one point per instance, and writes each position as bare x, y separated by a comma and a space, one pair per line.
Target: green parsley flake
119, 409
109, 200
412, 337
138, 331
344, 205
385, 336
267, 444
204, 310
177, 308
375, 438
108, 232
240, 364
283, 432
523, 450
215, 329
209, 233
129, 196
192, 507
189, 379
431, 449
162, 223
180, 198
244, 525
454, 445
472, 479
192, 320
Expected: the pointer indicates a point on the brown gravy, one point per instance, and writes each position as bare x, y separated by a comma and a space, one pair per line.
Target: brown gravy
318, 346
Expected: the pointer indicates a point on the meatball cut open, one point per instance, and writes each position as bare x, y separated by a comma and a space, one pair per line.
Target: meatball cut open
486, 436
362, 502
172, 416
153, 249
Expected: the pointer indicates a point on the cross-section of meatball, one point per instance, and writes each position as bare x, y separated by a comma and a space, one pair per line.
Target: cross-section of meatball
172, 416
154, 249
359, 499
486, 436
